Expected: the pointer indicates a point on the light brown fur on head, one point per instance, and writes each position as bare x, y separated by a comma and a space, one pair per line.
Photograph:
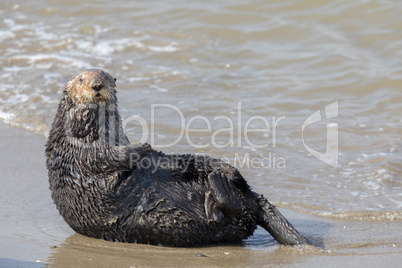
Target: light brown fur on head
92, 86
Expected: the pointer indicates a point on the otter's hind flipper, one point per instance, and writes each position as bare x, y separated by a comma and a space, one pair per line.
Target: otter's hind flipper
223, 196
277, 225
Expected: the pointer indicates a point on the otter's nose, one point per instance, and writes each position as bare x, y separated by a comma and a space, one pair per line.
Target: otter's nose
97, 84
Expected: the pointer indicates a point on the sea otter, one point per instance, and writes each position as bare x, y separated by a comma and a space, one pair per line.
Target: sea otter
105, 187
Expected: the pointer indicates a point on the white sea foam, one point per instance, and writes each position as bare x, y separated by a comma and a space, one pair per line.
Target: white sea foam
169, 48
108, 47
160, 89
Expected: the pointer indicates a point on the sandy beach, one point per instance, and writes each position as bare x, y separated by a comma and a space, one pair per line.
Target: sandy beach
29, 222
32, 233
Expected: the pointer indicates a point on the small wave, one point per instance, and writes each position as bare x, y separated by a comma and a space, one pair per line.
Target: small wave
43, 61
365, 215
345, 215
169, 48
107, 47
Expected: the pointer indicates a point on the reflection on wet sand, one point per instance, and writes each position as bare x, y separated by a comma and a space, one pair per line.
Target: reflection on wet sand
80, 251
363, 245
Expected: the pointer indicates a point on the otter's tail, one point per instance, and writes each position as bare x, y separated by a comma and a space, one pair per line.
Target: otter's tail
277, 225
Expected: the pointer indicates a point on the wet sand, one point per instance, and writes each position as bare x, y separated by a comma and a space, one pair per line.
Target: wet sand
29, 222
32, 233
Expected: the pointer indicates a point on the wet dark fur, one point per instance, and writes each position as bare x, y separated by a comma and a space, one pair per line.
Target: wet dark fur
105, 187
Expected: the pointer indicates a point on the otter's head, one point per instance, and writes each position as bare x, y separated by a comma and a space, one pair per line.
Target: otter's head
92, 86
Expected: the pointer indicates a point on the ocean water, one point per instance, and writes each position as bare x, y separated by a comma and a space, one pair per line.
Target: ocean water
304, 97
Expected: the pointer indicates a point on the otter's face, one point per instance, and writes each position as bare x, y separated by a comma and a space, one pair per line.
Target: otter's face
92, 86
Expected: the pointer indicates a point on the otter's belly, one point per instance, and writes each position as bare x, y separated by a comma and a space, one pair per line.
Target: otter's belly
165, 212
166, 223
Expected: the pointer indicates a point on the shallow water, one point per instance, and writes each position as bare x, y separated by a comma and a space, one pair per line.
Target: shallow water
273, 62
